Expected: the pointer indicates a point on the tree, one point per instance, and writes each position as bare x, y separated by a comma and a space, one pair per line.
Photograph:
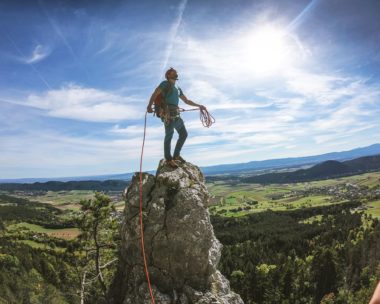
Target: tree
325, 273
98, 244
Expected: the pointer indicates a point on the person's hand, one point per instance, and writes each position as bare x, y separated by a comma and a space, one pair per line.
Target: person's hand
149, 109
202, 107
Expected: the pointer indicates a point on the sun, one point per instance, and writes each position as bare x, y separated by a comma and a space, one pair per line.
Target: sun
265, 50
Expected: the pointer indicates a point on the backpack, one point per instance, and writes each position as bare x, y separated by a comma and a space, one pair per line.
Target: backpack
159, 103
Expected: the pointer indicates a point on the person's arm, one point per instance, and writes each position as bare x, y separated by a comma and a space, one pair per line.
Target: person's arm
376, 295
156, 92
190, 102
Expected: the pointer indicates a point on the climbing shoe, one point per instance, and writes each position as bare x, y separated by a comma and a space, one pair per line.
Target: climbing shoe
171, 163
180, 159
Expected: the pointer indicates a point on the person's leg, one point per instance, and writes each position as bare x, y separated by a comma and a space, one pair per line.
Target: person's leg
169, 131
182, 132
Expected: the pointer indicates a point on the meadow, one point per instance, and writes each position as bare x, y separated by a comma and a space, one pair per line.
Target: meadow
241, 199
64, 233
65, 200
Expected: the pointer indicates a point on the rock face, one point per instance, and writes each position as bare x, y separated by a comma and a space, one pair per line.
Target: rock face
181, 248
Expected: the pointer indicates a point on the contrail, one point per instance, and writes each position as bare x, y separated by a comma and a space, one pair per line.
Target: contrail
296, 21
29, 63
173, 34
63, 38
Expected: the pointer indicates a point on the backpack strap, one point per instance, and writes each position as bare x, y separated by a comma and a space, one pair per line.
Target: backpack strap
168, 89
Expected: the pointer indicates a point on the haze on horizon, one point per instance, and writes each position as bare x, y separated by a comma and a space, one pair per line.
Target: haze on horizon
286, 79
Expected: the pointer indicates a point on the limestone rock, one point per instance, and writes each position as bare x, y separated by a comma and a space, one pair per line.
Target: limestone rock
181, 248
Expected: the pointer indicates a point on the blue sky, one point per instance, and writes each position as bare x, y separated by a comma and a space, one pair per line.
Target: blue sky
282, 78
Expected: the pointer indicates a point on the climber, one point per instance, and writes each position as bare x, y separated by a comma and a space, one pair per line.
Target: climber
171, 115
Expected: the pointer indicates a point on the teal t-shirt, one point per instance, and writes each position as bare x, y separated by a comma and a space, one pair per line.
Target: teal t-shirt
171, 95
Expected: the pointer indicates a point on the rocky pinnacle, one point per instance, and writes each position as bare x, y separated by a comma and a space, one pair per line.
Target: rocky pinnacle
181, 248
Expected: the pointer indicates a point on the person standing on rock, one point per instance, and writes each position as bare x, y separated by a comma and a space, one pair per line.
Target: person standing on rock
171, 116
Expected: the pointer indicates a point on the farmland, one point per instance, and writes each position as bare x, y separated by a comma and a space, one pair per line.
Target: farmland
240, 199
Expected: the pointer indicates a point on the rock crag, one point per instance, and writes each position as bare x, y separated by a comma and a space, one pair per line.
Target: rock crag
181, 248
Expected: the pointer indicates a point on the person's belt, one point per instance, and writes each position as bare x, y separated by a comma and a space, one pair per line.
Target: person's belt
173, 111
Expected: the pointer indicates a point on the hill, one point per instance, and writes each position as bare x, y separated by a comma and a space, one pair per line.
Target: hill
324, 170
108, 185
291, 161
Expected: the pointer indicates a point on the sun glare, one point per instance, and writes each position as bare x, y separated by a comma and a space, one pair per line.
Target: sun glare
265, 51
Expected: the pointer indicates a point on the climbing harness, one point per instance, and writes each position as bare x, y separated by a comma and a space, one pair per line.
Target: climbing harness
207, 120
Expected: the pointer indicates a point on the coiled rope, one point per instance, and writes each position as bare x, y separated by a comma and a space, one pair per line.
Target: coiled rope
205, 117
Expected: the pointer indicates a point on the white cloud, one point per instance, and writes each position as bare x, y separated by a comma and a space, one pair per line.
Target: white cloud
136, 130
88, 104
39, 53
323, 88
53, 153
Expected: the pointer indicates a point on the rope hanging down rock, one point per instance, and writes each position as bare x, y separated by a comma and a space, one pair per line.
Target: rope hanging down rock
207, 120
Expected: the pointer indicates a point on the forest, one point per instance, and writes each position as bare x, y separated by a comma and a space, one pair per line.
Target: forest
278, 257
322, 254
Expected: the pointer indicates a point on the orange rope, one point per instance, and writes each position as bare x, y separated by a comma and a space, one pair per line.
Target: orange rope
206, 118
141, 218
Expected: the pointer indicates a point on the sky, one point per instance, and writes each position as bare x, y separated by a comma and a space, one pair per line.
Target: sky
282, 79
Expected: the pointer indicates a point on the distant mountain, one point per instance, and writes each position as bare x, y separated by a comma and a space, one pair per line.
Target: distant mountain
122, 176
291, 162
108, 185
324, 170
249, 167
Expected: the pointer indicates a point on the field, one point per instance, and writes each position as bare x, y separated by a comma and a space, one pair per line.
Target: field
240, 199
65, 233
68, 200
228, 199
374, 208
65, 200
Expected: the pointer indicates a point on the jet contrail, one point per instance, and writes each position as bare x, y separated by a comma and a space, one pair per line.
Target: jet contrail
173, 34
296, 21
63, 38
29, 63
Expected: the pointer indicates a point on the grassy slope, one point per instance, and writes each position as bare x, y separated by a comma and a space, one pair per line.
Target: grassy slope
374, 208
228, 197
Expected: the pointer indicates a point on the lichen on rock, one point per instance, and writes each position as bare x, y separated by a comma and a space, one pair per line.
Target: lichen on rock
181, 248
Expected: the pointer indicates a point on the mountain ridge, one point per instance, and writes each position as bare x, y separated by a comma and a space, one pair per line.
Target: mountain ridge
325, 170
250, 166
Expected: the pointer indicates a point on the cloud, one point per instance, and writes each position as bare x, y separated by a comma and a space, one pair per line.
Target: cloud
53, 153
135, 130
87, 104
39, 53
324, 88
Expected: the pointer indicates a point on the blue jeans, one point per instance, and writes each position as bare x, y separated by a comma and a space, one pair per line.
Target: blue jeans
179, 126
